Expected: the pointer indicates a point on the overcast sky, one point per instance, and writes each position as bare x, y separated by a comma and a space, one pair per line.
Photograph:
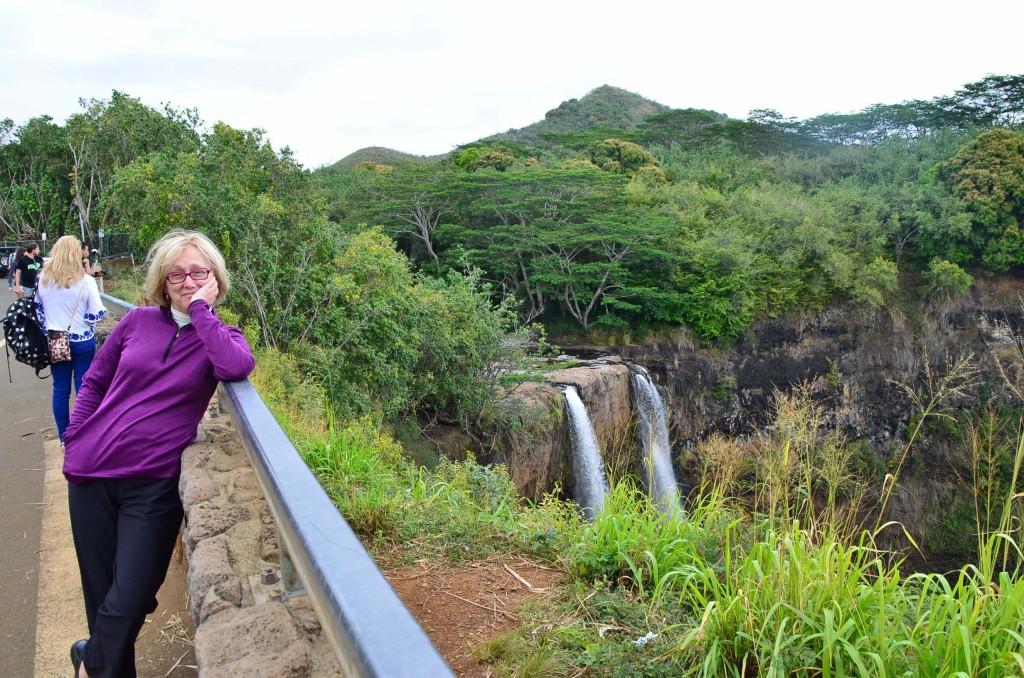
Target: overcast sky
422, 76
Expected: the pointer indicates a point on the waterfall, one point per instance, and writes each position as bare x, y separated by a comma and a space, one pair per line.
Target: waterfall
588, 468
661, 479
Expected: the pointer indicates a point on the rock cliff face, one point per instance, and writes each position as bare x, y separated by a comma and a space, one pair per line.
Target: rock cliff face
851, 360
538, 453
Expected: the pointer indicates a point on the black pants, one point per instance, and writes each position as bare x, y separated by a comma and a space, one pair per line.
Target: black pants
124, 530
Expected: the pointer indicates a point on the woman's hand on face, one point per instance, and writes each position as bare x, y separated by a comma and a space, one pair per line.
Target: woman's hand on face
207, 292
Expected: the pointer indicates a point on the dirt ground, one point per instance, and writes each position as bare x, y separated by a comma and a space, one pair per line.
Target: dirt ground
462, 607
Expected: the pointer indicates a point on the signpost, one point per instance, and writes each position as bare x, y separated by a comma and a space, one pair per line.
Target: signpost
99, 255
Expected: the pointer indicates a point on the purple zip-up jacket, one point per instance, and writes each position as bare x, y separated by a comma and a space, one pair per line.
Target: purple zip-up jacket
146, 391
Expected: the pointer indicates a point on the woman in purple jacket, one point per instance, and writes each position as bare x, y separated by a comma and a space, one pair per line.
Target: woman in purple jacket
140, 405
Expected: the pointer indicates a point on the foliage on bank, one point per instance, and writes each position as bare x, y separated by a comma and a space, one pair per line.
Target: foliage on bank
752, 579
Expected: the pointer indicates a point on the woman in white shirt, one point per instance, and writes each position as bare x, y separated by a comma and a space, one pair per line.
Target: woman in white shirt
68, 300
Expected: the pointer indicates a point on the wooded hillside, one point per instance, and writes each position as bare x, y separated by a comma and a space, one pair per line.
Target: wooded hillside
613, 213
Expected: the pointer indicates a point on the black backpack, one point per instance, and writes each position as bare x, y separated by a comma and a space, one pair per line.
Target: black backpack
25, 337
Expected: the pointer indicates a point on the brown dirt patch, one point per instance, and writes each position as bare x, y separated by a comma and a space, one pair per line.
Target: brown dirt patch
462, 606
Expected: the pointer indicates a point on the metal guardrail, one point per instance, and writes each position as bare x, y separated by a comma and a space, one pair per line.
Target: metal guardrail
372, 632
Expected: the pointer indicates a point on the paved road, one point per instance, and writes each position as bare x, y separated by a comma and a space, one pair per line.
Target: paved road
25, 422
41, 595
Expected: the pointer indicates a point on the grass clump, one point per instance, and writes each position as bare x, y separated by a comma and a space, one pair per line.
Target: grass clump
127, 284
459, 510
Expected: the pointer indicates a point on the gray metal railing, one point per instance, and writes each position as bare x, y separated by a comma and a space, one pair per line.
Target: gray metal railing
372, 632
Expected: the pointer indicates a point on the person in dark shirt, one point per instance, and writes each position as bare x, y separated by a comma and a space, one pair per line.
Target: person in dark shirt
12, 266
28, 268
94, 270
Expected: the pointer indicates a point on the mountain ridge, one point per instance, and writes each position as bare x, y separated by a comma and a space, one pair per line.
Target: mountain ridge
606, 106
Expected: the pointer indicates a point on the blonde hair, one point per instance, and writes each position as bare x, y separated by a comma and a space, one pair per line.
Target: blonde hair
166, 251
65, 265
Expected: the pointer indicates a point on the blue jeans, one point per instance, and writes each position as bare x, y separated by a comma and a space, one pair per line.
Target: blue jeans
82, 353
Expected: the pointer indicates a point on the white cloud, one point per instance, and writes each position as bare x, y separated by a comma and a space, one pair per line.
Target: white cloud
327, 78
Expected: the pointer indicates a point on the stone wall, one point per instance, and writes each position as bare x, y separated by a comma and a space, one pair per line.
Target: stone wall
245, 624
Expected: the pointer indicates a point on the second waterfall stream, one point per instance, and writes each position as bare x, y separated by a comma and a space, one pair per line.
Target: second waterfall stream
661, 479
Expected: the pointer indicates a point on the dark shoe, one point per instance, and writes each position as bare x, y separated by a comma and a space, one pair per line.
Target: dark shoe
77, 653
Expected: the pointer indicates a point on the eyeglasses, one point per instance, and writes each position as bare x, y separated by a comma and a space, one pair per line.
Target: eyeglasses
177, 277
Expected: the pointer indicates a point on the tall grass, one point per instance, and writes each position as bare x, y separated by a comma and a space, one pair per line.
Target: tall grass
788, 606
779, 581
634, 544
127, 284
799, 599
997, 505
791, 607
798, 469
298, 403
459, 509
929, 400
971, 627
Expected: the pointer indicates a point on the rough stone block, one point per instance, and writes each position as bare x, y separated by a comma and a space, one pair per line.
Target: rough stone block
206, 520
304, 615
213, 604
243, 486
226, 461
269, 549
254, 641
196, 456
209, 566
197, 486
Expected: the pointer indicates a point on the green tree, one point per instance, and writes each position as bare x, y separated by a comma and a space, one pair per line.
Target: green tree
946, 279
988, 176
109, 135
473, 351
677, 126
499, 156
35, 191
621, 157
262, 208
410, 201
564, 235
510, 217
991, 101
398, 343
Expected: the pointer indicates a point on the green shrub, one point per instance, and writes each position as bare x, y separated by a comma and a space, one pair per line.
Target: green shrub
946, 279
298, 401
